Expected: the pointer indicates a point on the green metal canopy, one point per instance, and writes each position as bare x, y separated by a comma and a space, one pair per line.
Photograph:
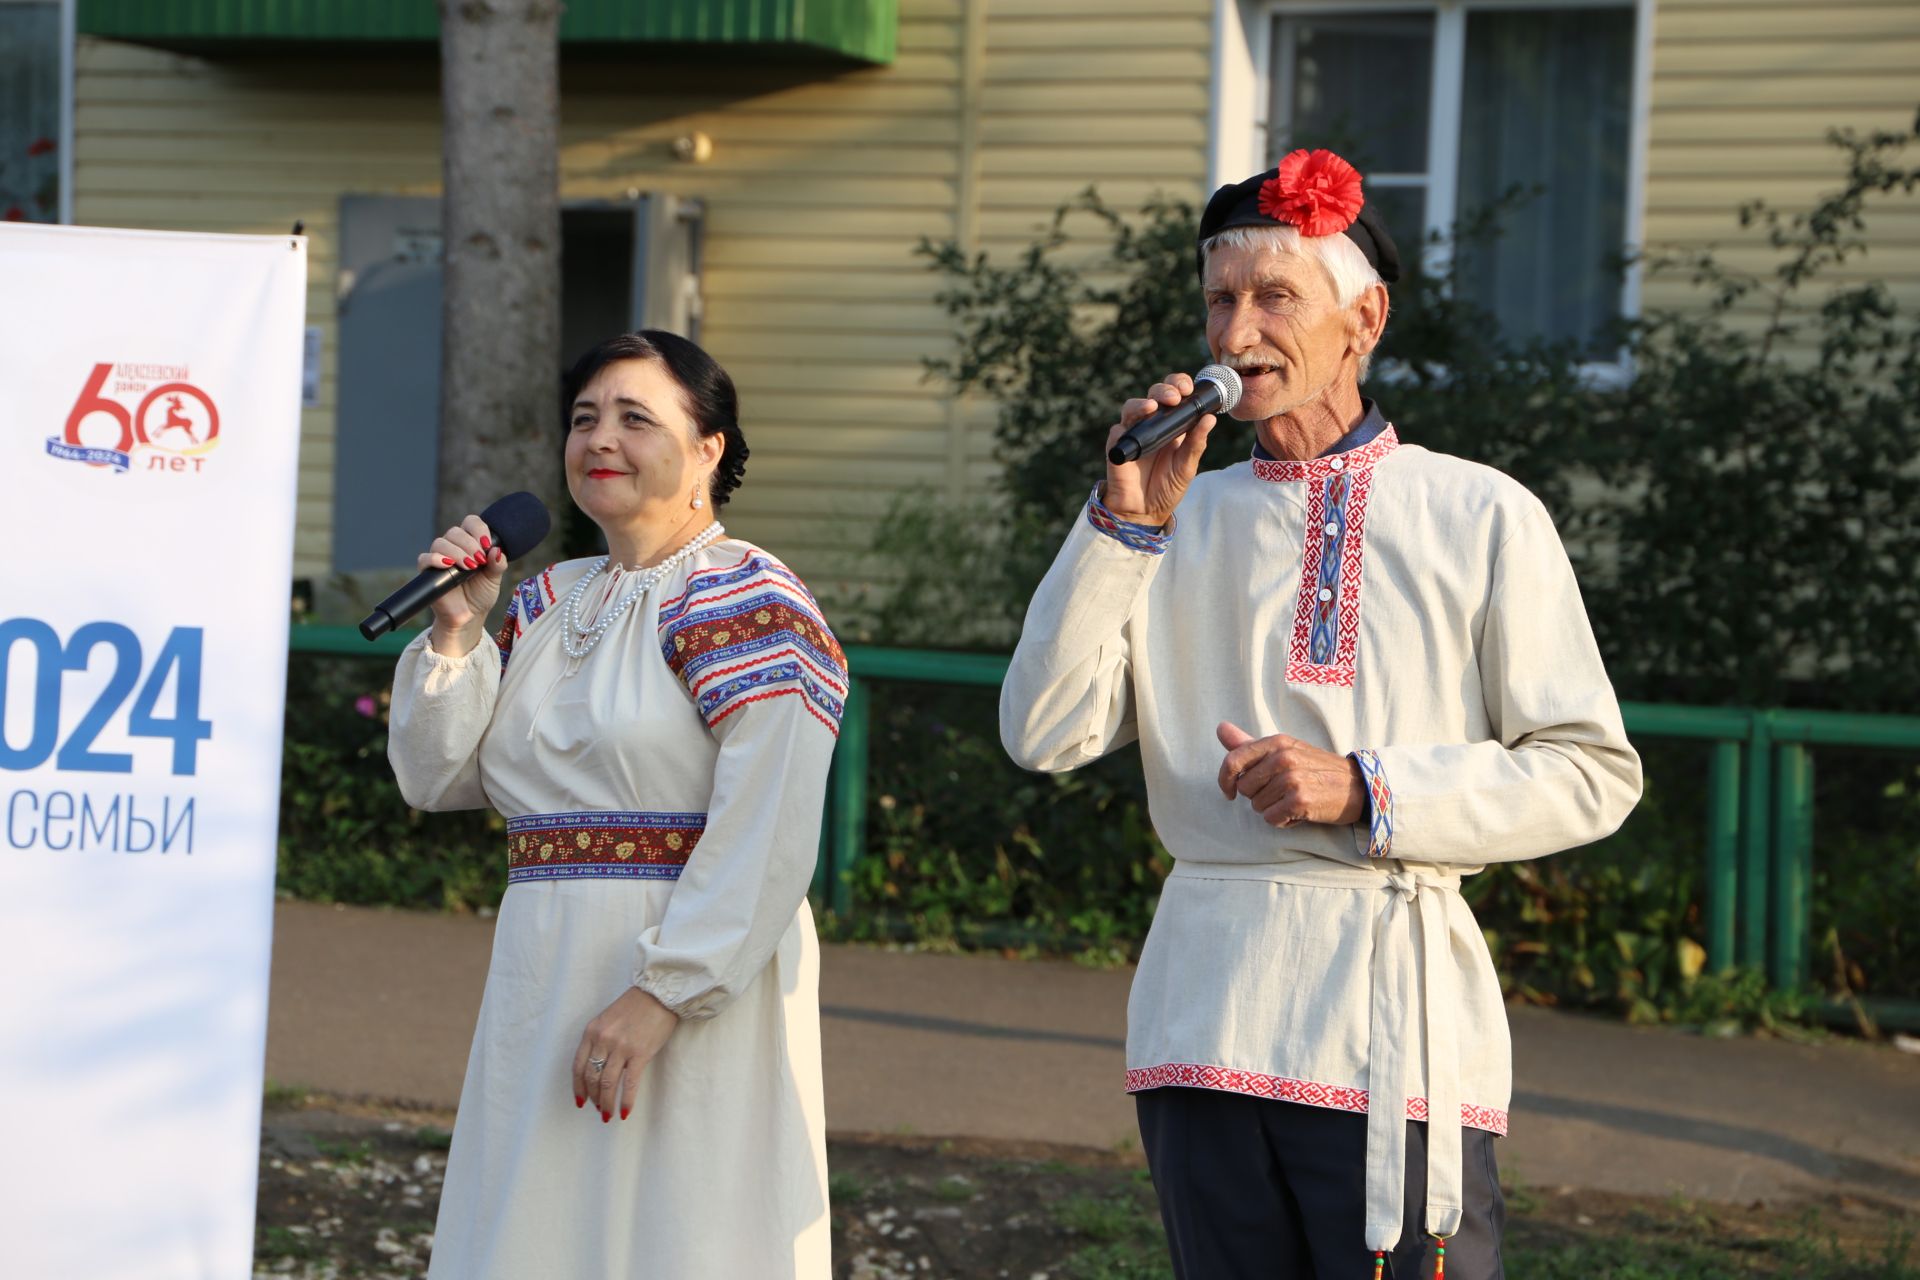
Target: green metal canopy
861, 29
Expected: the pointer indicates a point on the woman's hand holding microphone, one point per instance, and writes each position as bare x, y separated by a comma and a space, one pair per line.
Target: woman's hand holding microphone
460, 615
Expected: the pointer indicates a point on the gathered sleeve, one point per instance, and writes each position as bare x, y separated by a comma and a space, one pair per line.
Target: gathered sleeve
1068, 696
1558, 772
770, 682
441, 708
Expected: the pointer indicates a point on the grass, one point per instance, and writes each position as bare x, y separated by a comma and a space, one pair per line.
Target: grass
1680, 1240
349, 1153
283, 1242
954, 1188
284, 1095
1127, 1242
1799, 1257
1105, 1220
845, 1188
433, 1137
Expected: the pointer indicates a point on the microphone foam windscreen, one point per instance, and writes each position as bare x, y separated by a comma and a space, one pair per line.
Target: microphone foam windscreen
519, 521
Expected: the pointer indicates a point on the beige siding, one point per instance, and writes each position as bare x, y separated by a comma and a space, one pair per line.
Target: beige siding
1743, 93
822, 184
820, 187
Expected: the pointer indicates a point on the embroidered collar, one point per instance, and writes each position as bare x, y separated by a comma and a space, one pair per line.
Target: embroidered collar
1370, 440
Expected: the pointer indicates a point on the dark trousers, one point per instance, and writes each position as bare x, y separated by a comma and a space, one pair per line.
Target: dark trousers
1252, 1188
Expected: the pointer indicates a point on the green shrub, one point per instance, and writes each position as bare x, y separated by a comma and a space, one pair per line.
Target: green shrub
345, 833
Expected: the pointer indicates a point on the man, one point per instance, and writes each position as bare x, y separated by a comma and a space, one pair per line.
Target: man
1358, 671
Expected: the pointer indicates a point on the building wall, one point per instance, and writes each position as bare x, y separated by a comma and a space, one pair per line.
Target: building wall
821, 185
1743, 93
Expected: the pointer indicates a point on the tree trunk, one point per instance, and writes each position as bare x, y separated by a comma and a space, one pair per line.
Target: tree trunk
500, 362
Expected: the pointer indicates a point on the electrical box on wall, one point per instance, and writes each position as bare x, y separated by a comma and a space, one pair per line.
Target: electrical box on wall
624, 264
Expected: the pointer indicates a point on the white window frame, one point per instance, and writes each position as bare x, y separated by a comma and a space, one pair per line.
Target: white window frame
1242, 98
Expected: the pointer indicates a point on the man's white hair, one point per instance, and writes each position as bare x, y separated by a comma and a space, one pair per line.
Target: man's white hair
1346, 266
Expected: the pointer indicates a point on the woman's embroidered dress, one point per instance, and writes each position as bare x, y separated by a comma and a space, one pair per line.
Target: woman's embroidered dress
1414, 610
663, 799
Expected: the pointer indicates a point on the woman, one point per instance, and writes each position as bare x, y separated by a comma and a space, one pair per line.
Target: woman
643, 1099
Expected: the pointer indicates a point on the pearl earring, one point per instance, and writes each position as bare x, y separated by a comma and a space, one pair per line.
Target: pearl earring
697, 501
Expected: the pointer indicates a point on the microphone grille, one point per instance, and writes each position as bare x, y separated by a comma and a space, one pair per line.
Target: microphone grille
519, 522
1227, 380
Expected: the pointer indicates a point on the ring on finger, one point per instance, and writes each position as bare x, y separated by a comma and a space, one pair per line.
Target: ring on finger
598, 1064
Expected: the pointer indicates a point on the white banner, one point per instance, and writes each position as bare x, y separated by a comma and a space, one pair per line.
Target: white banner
149, 423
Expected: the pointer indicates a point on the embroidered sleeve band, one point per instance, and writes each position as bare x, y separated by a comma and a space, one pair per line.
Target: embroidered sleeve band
1137, 537
750, 632
1379, 804
530, 600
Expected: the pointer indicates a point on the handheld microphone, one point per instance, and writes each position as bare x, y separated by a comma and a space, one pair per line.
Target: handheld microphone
517, 523
1216, 389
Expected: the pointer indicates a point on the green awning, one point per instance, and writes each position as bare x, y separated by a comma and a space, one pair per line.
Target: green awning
861, 29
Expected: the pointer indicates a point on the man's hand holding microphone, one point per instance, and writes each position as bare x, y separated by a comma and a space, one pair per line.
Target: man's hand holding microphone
1287, 781
1146, 490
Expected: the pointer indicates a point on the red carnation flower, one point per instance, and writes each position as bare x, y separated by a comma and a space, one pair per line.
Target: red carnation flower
1316, 191
39, 146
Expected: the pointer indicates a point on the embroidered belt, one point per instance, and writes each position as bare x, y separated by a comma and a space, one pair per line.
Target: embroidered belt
563, 846
1417, 913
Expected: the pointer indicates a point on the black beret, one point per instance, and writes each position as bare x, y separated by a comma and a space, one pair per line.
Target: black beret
1238, 205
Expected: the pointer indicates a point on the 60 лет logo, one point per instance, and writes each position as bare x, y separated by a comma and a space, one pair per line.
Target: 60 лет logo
33, 641
173, 423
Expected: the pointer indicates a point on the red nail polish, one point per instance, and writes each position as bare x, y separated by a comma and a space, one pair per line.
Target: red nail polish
605, 1116
470, 562
579, 1101
625, 1112
486, 543
447, 560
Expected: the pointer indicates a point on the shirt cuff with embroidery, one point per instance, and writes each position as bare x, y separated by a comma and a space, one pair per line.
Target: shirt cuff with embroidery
1151, 539
1379, 814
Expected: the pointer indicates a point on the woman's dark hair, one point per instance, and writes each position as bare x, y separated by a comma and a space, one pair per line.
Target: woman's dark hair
710, 397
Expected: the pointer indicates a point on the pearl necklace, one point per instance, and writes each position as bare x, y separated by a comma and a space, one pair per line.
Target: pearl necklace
578, 640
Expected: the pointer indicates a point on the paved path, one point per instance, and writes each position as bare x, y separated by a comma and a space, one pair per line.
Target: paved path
381, 1004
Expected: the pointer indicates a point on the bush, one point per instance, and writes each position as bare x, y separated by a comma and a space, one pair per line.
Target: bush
345, 833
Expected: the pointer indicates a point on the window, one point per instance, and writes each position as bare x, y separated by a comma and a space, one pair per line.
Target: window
30, 94
1465, 112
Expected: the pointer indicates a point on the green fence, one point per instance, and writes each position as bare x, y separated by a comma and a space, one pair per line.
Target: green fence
1759, 795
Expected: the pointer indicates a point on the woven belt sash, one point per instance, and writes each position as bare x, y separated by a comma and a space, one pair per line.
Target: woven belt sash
562, 846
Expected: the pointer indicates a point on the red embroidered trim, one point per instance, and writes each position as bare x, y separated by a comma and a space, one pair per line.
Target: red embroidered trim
835, 680
775, 618
1285, 1089
1320, 468
1301, 668
778, 693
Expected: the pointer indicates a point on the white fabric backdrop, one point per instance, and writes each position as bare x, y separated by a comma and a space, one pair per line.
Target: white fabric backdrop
149, 421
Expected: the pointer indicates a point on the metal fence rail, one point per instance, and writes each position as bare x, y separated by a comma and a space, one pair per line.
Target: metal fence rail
1759, 854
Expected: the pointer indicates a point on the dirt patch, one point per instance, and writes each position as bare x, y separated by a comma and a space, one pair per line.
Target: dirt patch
350, 1190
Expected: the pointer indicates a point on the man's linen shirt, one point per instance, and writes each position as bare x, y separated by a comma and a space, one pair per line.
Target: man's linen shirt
1409, 608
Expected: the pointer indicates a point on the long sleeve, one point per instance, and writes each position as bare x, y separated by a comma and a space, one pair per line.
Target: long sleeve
441, 708
1068, 699
1558, 772
769, 679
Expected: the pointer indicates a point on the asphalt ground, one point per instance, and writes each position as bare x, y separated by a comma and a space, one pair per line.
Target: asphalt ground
379, 1004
